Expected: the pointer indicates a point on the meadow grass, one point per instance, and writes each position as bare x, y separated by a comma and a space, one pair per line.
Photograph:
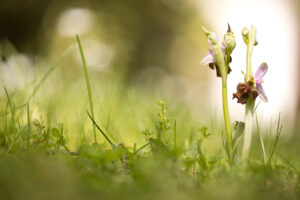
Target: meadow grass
145, 149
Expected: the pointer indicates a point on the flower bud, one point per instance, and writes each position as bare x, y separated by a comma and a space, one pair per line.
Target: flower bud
229, 41
245, 34
210, 36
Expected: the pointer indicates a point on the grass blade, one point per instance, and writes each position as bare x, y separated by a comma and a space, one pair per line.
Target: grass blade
87, 83
291, 165
261, 140
175, 135
12, 108
16, 108
142, 147
278, 132
14, 140
50, 70
100, 130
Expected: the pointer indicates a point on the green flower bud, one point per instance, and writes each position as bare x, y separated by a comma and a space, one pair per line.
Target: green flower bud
210, 36
229, 41
245, 34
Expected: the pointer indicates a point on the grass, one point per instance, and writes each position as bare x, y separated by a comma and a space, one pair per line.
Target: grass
146, 151
88, 85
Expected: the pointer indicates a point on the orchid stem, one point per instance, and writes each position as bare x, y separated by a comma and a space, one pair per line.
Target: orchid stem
223, 66
227, 120
249, 108
224, 69
248, 127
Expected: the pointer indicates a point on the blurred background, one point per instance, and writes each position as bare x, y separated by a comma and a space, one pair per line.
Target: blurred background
156, 46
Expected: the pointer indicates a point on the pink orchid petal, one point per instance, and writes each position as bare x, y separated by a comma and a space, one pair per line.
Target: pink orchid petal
223, 48
261, 92
261, 71
207, 59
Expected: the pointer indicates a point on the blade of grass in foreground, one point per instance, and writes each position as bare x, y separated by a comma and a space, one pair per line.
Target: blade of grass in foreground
100, 130
15, 139
261, 140
12, 109
50, 70
278, 132
87, 84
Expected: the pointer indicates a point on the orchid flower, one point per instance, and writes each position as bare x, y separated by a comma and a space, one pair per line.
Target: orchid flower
210, 58
219, 59
253, 87
258, 77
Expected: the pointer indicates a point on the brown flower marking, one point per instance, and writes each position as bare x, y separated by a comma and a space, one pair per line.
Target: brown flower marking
215, 66
244, 91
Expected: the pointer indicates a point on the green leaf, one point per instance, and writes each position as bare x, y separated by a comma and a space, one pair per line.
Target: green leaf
238, 129
202, 159
157, 146
56, 133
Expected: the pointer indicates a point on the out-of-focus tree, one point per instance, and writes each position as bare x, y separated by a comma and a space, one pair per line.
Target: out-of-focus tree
20, 22
142, 31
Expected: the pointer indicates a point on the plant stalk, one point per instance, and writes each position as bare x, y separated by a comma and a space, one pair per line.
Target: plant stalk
223, 71
227, 121
249, 108
248, 127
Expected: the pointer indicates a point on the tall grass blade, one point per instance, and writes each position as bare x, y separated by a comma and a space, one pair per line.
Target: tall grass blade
50, 70
261, 140
14, 140
28, 118
11, 106
175, 135
87, 83
278, 132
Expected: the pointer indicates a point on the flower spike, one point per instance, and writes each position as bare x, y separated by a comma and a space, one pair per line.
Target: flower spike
210, 58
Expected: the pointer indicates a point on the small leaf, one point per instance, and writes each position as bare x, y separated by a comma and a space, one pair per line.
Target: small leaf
55, 132
203, 132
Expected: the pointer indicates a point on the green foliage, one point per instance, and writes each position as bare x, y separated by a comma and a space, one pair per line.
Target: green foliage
55, 156
163, 124
46, 138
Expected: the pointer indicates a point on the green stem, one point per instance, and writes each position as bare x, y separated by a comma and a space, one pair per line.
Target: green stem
227, 120
249, 108
224, 69
248, 128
